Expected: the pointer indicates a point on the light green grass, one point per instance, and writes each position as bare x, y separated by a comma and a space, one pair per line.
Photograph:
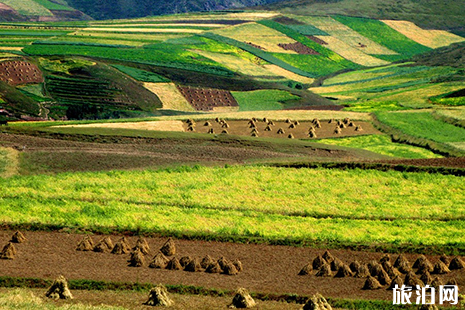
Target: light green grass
141, 75
270, 203
28, 7
53, 6
382, 145
262, 100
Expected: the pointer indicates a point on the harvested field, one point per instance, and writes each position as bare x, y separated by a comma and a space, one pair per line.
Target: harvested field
430, 38
20, 72
288, 74
170, 96
267, 269
204, 99
157, 125
317, 40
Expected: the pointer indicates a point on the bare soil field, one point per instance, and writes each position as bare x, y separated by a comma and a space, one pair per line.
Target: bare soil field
204, 99
266, 268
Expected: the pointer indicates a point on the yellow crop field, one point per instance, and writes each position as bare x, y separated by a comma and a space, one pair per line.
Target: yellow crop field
237, 64
142, 30
160, 25
288, 74
347, 35
130, 36
257, 34
154, 125
430, 38
354, 54
170, 96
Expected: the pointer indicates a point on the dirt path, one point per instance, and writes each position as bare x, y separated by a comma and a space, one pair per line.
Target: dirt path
267, 269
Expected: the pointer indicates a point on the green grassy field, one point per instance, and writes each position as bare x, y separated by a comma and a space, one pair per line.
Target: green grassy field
262, 100
271, 204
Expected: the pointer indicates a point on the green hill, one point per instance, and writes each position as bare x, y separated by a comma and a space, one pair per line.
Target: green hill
38, 10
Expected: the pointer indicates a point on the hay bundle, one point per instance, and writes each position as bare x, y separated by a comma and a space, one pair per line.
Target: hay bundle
400, 259
383, 277
8, 251
354, 266
436, 282
339, 122
207, 123
324, 271
224, 131
351, 124
393, 272
254, 119
193, 266
288, 121
214, 268
444, 259
158, 296
190, 128
225, 125
254, 134
242, 299
238, 264
375, 268
346, 120
104, 245
440, 268
420, 260
223, 262
344, 271
121, 247
206, 261
318, 262
317, 302
254, 130
137, 259
265, 120
337, 130
230, 269
142, 245
404, 267
371, 284
270, 123
59, 289
362, 271
268, 128
291, 126
317, 124
174, 264
159, 261
452, 282
336, 264
358, 128
190, 122
296, 123
251, 121
210, 131
307, 269
342, 126
328, 257
86, 244
217, 120
456, 263
312, 134
169, 248
252, 125
397, 280
332, 120
185, 260
426, 277
315, 120
311, 128
385, 258
386, 265
412, 280
18, 237
280, 131
290, 136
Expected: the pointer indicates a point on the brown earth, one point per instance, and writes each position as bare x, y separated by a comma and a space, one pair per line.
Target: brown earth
267, 269
317, 40
206, 99
20, 72
299, 48
450, 162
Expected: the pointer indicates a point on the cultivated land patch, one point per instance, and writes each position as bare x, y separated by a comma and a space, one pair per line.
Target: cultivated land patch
20, 72
430, 38
28, 7
157, 125
170, 96
288, 74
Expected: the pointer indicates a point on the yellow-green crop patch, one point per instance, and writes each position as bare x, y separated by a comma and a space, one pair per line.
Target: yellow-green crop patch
28, 7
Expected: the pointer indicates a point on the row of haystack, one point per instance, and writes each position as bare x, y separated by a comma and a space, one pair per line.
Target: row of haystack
384, 272
9, 250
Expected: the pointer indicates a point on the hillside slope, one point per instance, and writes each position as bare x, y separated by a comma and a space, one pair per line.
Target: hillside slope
38, 10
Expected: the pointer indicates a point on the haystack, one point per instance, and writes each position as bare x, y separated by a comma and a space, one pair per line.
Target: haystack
344, 271
428, 307
121, 247
207, 260
324, 271
317, 302
404, 267
342, 126
328, 257
185, 260
362, 271
238, 264
456, 263
288, 121
142, 245
444, 259
296, 123
375, 268
8, 252
252, 125
383, 278
254, 119
346, 120
225, 125
210, 131
280, 131
336, 264
254, 134
318, 262
270, 123
159, 261
312, 134
190, 121
291, 126
385, 258
440, 268
420, 261
315, 120
251, 121
452, 282
354, 266
224, 131
193, 266
137, 259
306, 270
169, 248
397, 280
351, 124
223, 261
337, 130
217, 119
254, 130
317, 124
230, 269
386, 265
311, 128
290, 136
371, 284
265, 120
436, 282
59, 289
86, 244
242, 299
393, 272
174, 264
190, 128
358, 128
426, 278
400, 259
158, 296
412, 280
18, 237
268, 128
207, 123
104, 245
214, 268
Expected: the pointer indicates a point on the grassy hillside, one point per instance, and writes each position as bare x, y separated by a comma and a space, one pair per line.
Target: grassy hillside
38, 10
